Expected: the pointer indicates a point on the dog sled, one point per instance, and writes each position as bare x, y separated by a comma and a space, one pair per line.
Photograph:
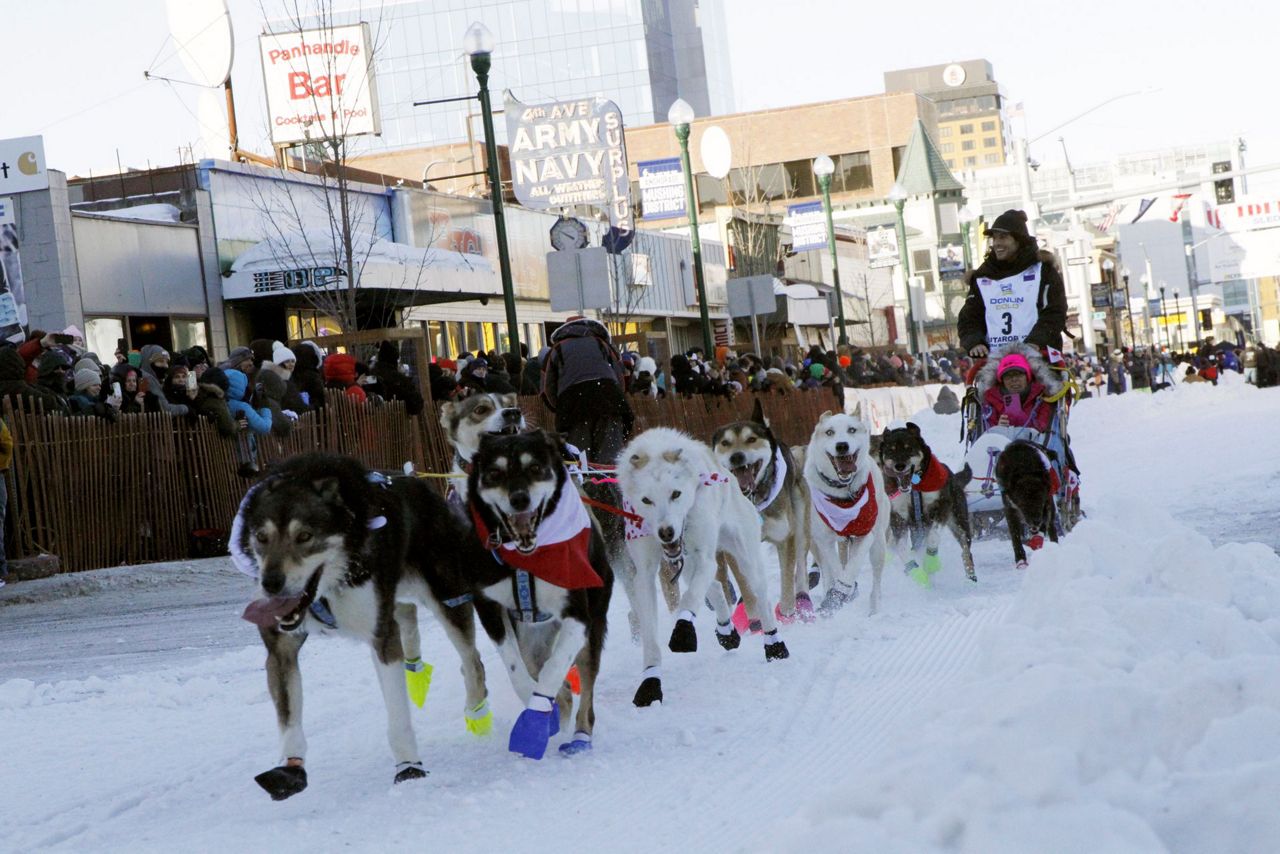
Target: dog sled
984, 445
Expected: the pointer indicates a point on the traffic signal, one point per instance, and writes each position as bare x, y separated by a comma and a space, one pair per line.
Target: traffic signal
1224, 191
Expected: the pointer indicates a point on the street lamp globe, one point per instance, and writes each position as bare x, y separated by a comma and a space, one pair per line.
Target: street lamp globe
478, 40
898, 194
1125, 272
1108, 264
680, 113
823, 166
967, 215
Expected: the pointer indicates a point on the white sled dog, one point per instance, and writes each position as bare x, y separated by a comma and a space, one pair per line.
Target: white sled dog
688, 507
849, 513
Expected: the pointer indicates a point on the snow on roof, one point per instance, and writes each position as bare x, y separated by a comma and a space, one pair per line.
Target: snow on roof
142, 213
322, 250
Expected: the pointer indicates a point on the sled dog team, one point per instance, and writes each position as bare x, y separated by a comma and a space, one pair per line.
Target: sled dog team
525, 548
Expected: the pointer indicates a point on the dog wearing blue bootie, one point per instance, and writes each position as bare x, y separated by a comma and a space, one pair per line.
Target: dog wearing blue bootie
543, 595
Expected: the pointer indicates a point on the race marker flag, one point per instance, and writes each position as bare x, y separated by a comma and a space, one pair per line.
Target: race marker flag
1179, 201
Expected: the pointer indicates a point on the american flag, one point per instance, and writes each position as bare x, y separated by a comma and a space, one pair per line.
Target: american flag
1110, 219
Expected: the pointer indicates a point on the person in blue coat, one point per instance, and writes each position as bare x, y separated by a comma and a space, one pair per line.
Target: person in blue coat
259, 420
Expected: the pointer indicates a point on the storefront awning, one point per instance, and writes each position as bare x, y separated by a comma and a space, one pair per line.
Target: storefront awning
278, 267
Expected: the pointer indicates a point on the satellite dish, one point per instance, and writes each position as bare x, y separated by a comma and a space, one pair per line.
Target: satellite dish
215, 135
716, 153
201, 33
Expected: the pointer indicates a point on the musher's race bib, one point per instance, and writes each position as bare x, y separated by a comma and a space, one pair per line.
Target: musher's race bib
1011, 306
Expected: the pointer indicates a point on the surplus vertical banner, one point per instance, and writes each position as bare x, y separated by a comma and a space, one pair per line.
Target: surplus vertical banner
570, 153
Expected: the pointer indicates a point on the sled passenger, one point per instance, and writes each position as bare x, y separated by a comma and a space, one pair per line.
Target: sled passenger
1016, 400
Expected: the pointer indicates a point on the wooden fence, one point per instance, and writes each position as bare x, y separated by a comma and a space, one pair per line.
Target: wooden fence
150, 487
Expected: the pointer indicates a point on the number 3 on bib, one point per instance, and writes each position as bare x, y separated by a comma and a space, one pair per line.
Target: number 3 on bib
1007, 317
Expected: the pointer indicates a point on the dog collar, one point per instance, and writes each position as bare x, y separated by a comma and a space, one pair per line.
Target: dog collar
778, 466
463, 465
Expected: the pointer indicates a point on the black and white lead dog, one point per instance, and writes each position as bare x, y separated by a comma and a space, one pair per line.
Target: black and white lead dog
544, 595
333, 548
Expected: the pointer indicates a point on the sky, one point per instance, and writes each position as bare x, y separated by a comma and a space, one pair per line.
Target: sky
76, 70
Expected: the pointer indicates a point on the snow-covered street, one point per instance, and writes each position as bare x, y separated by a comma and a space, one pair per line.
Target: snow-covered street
1123, 694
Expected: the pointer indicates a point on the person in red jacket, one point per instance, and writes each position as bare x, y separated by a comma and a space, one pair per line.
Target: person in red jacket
1017, 399
340, 373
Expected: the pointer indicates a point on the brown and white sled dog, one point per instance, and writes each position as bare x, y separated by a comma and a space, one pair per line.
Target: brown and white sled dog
544, 595
926, 497
766, 473
849, 514
687, 509
467, 421
333, 548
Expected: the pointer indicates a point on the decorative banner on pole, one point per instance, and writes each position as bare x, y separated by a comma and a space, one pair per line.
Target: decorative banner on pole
570, 153
1144, 205
950, 262
13, 297
661, 188
808, 224
882, 246
1100, 293
319, 84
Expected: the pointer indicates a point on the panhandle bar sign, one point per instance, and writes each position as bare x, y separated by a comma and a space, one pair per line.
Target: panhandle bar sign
569, 153
319, 84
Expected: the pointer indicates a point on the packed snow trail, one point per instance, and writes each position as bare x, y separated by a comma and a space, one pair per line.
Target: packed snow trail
1122, 694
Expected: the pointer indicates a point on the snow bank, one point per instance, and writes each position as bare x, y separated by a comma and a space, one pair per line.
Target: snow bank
1132, 692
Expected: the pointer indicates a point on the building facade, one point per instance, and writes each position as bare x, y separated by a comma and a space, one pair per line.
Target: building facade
641, 54
972, 120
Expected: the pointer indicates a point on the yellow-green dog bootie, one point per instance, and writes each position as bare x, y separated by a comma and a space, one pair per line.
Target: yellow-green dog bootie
932, 563
417, 678
480, 719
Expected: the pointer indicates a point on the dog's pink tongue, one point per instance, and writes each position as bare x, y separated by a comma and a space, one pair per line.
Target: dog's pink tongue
265, 612
746, 478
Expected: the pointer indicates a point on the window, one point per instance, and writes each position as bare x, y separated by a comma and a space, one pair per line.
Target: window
800, 179
966, 145
990, 159
966, 129
987, 126
989, 142
945, 130
951, 164
899, 151
190, 332
102, 335
971, 161
948, 147
853, 172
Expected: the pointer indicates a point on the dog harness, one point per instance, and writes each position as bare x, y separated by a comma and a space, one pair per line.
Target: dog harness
854, 517
561, 557
779, 465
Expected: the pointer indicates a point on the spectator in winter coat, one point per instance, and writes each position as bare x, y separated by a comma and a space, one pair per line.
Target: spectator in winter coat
1192, 376
132, 400
198, 360
241, 359
1210, 370
211, 401
531, 373
258, 420
154, 368
686, 380
88, 387
306, 384
392, 382
1017, 399
179, 390
340, 374
474, 376
53, 370
582, 385
14, 385
271, 391
1015, 295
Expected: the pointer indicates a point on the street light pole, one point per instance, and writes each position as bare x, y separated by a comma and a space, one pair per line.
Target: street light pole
680, 115
898, 195
823, 167
1164, 319
1177, 311
478, 42
1128, 305
967, 218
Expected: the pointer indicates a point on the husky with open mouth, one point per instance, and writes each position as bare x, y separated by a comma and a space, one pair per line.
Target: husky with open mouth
849, 513
333, 547
766, 473
687, 508
544, 595
925, 497
468, 421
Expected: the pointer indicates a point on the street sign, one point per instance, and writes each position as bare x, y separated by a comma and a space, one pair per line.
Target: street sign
22, 165
750, 295
661, 188
808, 223
882, 246
1101, 294
1077, 262
578, 279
